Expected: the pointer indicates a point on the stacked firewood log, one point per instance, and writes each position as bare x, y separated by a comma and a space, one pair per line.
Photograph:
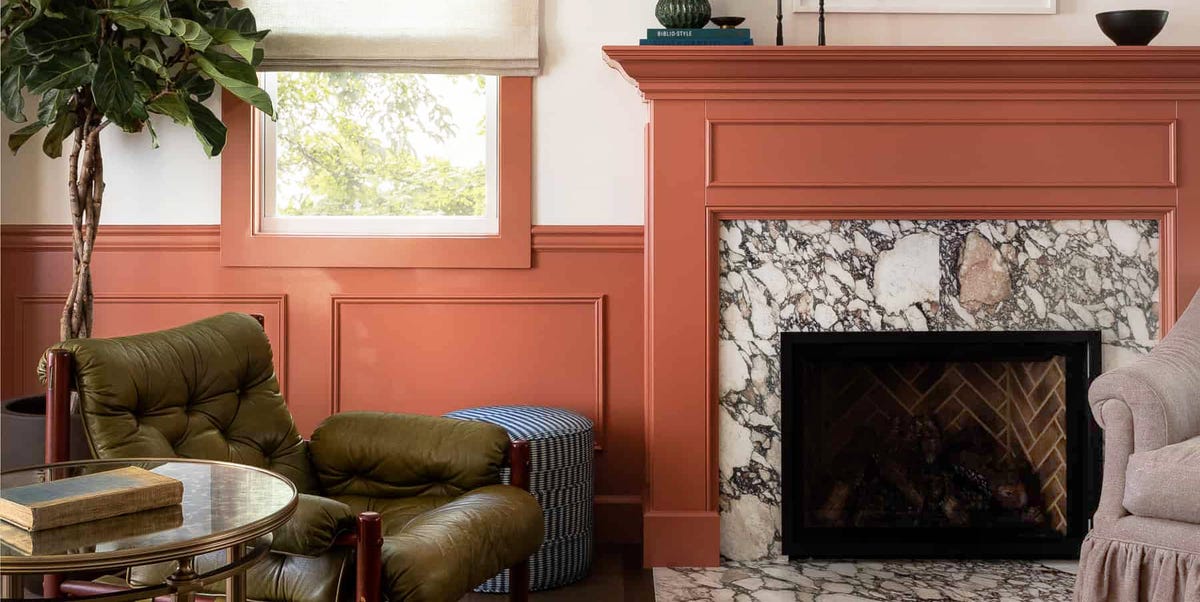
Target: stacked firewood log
916, 474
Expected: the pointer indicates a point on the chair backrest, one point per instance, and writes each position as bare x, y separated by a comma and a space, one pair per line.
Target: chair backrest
203, 390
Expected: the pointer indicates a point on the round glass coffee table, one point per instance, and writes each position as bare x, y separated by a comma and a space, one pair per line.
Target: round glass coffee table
226, 506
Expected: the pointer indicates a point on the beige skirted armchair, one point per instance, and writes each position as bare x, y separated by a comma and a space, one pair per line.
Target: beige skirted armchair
1145, 542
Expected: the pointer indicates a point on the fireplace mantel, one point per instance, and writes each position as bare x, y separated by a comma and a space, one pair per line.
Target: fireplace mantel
746, 72
878, 133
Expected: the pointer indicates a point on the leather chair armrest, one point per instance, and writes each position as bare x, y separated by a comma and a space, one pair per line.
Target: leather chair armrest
443, 553
312, 530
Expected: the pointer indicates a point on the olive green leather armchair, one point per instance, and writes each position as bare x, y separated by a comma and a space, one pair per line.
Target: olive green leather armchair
414, 503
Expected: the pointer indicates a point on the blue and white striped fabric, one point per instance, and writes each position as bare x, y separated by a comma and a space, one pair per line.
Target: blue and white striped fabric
561, 446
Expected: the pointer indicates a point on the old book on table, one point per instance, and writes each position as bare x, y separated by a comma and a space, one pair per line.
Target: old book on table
88, 497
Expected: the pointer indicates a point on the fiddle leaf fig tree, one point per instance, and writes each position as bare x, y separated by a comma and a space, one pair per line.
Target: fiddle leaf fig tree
91, 64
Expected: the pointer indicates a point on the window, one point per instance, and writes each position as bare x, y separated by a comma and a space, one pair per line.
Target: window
380, 154
330, 211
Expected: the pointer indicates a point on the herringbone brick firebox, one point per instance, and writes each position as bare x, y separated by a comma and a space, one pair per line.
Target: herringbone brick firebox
1019, 406
960, 443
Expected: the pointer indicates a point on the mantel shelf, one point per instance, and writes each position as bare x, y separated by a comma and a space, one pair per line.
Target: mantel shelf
732, 71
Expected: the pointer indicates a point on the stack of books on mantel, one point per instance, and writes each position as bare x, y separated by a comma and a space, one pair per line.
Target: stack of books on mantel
698, 37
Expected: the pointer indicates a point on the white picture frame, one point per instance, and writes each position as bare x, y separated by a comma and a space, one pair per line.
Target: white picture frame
997, 7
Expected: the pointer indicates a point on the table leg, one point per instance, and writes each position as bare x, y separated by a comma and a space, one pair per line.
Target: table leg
13, 587
183, 579
235, 585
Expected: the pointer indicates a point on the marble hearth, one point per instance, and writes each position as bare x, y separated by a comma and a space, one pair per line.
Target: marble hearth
885, 275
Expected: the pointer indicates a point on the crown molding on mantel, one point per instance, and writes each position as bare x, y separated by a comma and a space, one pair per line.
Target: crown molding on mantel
662, 72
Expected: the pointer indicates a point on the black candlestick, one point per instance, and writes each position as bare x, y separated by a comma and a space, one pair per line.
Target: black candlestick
779, 22
821, 24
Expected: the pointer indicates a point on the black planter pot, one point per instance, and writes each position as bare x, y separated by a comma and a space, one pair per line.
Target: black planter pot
23, 433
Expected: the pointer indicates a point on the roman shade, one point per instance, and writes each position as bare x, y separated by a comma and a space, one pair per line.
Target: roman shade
497, 37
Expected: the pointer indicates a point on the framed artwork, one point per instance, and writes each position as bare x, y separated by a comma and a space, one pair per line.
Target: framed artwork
1033, 7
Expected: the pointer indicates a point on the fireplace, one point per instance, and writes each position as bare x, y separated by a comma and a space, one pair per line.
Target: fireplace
938, 444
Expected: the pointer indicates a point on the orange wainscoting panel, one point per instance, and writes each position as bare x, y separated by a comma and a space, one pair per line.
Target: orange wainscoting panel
439, 349
566, 332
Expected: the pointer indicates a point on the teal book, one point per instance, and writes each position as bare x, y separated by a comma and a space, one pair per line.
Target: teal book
88, 497
695, 42
707, 33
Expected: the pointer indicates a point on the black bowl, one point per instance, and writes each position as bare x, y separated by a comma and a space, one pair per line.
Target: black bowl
727, 22
1132, 27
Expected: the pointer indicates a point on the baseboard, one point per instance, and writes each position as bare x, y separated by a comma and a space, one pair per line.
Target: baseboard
681, 538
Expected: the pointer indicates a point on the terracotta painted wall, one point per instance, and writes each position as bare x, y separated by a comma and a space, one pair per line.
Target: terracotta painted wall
566, 332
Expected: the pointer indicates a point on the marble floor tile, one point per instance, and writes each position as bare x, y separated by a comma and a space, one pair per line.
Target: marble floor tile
778, 580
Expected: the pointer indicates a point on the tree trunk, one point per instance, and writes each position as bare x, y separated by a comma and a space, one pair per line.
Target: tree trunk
85, 178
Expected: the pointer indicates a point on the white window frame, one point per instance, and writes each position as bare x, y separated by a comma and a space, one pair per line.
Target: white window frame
487, 224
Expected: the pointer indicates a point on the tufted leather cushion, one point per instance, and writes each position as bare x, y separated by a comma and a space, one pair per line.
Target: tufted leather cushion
203, 390
376, 454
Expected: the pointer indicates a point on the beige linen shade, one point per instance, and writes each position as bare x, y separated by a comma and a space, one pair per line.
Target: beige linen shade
496, 37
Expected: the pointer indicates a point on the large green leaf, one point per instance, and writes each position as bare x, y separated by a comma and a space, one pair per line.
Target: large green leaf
191, 33
113, 86
232, 67
56, 36
134, 22
240, 44
11, 100
61, 72
29, 21
52, 105
15, 52
18, 138
172, 105
52, 143
209, 129
240, 20
152, 64
242, 89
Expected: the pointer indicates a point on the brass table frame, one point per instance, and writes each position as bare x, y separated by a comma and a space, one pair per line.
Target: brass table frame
182, 584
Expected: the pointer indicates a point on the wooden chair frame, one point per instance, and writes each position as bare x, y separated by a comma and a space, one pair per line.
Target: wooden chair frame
367, 539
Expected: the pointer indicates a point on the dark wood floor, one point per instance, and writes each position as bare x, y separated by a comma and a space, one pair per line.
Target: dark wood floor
617, 576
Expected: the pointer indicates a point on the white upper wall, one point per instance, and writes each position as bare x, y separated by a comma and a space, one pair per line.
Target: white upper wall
588, 123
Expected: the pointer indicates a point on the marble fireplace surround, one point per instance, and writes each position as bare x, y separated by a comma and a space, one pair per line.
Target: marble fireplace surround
877, 133
911, 275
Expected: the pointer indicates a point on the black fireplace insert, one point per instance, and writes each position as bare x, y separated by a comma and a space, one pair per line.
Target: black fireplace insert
938, 444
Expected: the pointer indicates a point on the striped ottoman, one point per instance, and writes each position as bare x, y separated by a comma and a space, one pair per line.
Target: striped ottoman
560, 477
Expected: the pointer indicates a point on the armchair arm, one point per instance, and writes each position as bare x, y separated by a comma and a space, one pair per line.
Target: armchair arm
1161, 391
311, 531
383, 455
1118, 446
445, 552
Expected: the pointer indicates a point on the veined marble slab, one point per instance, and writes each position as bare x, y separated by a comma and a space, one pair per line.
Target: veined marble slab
877, 275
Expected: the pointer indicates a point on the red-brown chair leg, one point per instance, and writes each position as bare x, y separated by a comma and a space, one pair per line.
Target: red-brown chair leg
58, 430
369, 552
518, 582
518, 574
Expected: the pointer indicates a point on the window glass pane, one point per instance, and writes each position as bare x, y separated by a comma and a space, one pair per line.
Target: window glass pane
379, 145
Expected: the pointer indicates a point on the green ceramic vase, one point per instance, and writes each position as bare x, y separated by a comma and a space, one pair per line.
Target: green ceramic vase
683, 14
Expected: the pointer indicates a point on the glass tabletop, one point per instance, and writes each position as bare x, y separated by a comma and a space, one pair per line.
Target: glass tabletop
223, 505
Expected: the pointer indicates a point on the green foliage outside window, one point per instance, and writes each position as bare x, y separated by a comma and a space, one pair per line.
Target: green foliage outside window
345, 146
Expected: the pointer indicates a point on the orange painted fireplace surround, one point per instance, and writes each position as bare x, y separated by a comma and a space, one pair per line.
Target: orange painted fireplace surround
878, 133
